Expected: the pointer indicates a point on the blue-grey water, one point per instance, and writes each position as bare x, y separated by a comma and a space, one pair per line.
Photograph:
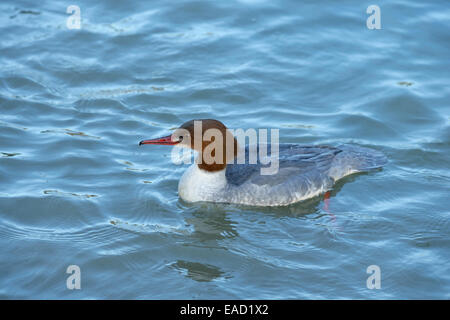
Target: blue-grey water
76, 189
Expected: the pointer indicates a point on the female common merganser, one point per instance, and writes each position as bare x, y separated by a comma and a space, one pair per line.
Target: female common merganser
303, 171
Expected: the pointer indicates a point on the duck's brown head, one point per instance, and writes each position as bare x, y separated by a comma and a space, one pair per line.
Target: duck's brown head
210, 138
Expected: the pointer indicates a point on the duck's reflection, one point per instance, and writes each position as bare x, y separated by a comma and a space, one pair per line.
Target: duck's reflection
210, 221
198, 271
215, 221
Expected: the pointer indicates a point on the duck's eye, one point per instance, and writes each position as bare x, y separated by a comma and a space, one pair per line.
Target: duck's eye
180, 138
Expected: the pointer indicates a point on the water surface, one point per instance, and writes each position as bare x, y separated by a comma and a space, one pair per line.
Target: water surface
75, 188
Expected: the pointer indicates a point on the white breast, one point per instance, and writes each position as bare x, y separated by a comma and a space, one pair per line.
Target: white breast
201, 185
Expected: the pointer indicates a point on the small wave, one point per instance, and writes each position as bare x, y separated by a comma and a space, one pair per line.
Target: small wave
149, 228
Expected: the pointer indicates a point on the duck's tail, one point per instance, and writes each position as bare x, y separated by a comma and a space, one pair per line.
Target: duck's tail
356, 159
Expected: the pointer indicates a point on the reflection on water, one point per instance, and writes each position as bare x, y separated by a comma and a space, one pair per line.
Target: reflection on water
210, 221
198, 271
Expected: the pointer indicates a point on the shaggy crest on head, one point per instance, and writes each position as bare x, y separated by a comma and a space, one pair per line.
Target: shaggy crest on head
212, 140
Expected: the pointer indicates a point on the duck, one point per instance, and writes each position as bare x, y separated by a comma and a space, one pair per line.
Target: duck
228, 171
